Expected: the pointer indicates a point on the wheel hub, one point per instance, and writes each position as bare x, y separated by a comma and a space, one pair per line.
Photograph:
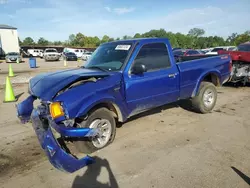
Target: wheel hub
208, 97
104, 129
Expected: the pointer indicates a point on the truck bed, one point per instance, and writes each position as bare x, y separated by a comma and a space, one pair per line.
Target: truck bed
192, 67
189, 58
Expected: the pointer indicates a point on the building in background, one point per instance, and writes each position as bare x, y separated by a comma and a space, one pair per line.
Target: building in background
8, 39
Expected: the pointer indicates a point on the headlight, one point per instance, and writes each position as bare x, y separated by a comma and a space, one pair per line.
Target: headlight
56, 110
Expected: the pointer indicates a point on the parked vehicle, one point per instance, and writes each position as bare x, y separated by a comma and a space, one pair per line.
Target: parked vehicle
215, 50
241, 63
51, 54
12, 57
70, 56
186, 52
122, 79
35, 53
79, 52
86, 56
176, 49
201, 52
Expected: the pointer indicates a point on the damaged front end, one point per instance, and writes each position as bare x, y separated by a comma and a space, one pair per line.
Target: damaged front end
46, 129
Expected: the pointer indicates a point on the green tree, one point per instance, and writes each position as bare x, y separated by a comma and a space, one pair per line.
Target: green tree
28, 41
161, 33
71, 38
137, 35
105, 38
125, 37
57, 43
231, 40
111, 39
245, 37
96, 41
80, 40
43, 42
196, 32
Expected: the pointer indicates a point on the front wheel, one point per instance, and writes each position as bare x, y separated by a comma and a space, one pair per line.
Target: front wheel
206, 98
103, 120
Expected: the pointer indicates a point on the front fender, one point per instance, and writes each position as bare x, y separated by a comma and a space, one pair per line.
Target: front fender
119, 106
201, 78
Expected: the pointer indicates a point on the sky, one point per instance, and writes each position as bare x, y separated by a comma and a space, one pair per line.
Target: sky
57, 19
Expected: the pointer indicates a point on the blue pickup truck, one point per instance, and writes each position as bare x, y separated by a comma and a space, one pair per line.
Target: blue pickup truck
121, 79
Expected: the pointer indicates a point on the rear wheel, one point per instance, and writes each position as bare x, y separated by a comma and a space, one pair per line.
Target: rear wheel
103, 120
206, 98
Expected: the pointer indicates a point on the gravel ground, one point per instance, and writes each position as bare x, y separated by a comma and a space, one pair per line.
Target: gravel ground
23, 72
170, 146
166, 147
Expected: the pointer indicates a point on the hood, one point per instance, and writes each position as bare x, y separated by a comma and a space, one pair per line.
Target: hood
46, 86
12, 56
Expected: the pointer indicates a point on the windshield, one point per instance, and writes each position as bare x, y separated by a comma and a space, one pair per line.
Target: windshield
109, 56
51, 50
244, 48
70, 53
13, 53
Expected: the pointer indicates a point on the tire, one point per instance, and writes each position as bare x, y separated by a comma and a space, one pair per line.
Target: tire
88, 145
205, 99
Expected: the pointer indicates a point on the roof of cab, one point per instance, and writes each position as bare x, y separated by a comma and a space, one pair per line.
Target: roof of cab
138, 40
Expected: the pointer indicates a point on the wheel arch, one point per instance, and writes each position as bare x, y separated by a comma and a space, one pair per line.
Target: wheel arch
109, 104
213, 76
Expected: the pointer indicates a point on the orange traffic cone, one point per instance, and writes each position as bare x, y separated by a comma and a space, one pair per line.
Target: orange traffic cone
9, 93
11, 73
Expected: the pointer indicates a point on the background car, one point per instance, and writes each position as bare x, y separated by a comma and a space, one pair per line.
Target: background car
86, 55
70, 56
245, 47
35, 53
176, 49
187, 52
216, 49
51, 54
13, 57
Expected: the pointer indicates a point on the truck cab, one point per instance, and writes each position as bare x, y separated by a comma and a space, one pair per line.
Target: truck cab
120, 80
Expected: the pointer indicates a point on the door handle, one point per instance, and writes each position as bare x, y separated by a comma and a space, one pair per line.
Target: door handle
172, 75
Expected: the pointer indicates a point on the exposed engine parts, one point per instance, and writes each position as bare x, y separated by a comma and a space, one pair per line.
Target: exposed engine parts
240, 73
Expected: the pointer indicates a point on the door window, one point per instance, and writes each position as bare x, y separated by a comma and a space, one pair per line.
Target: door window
154, 56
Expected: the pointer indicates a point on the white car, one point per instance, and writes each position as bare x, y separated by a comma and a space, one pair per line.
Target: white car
51, 54
216, 49
79, 52
86, 55
35, 52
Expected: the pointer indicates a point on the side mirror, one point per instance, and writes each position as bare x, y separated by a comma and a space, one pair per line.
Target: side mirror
139, 69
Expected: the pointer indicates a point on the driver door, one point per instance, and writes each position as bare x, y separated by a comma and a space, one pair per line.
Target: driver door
158, 85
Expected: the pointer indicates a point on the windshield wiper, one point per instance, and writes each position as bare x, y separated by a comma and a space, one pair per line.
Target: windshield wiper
96, 67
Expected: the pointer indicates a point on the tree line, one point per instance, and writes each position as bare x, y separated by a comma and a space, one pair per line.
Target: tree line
194, 39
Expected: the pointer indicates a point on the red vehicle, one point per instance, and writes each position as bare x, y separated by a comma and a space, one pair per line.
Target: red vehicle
241, 63
181, 53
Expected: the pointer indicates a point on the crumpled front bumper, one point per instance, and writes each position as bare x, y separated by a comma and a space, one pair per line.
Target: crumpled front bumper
57, 156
